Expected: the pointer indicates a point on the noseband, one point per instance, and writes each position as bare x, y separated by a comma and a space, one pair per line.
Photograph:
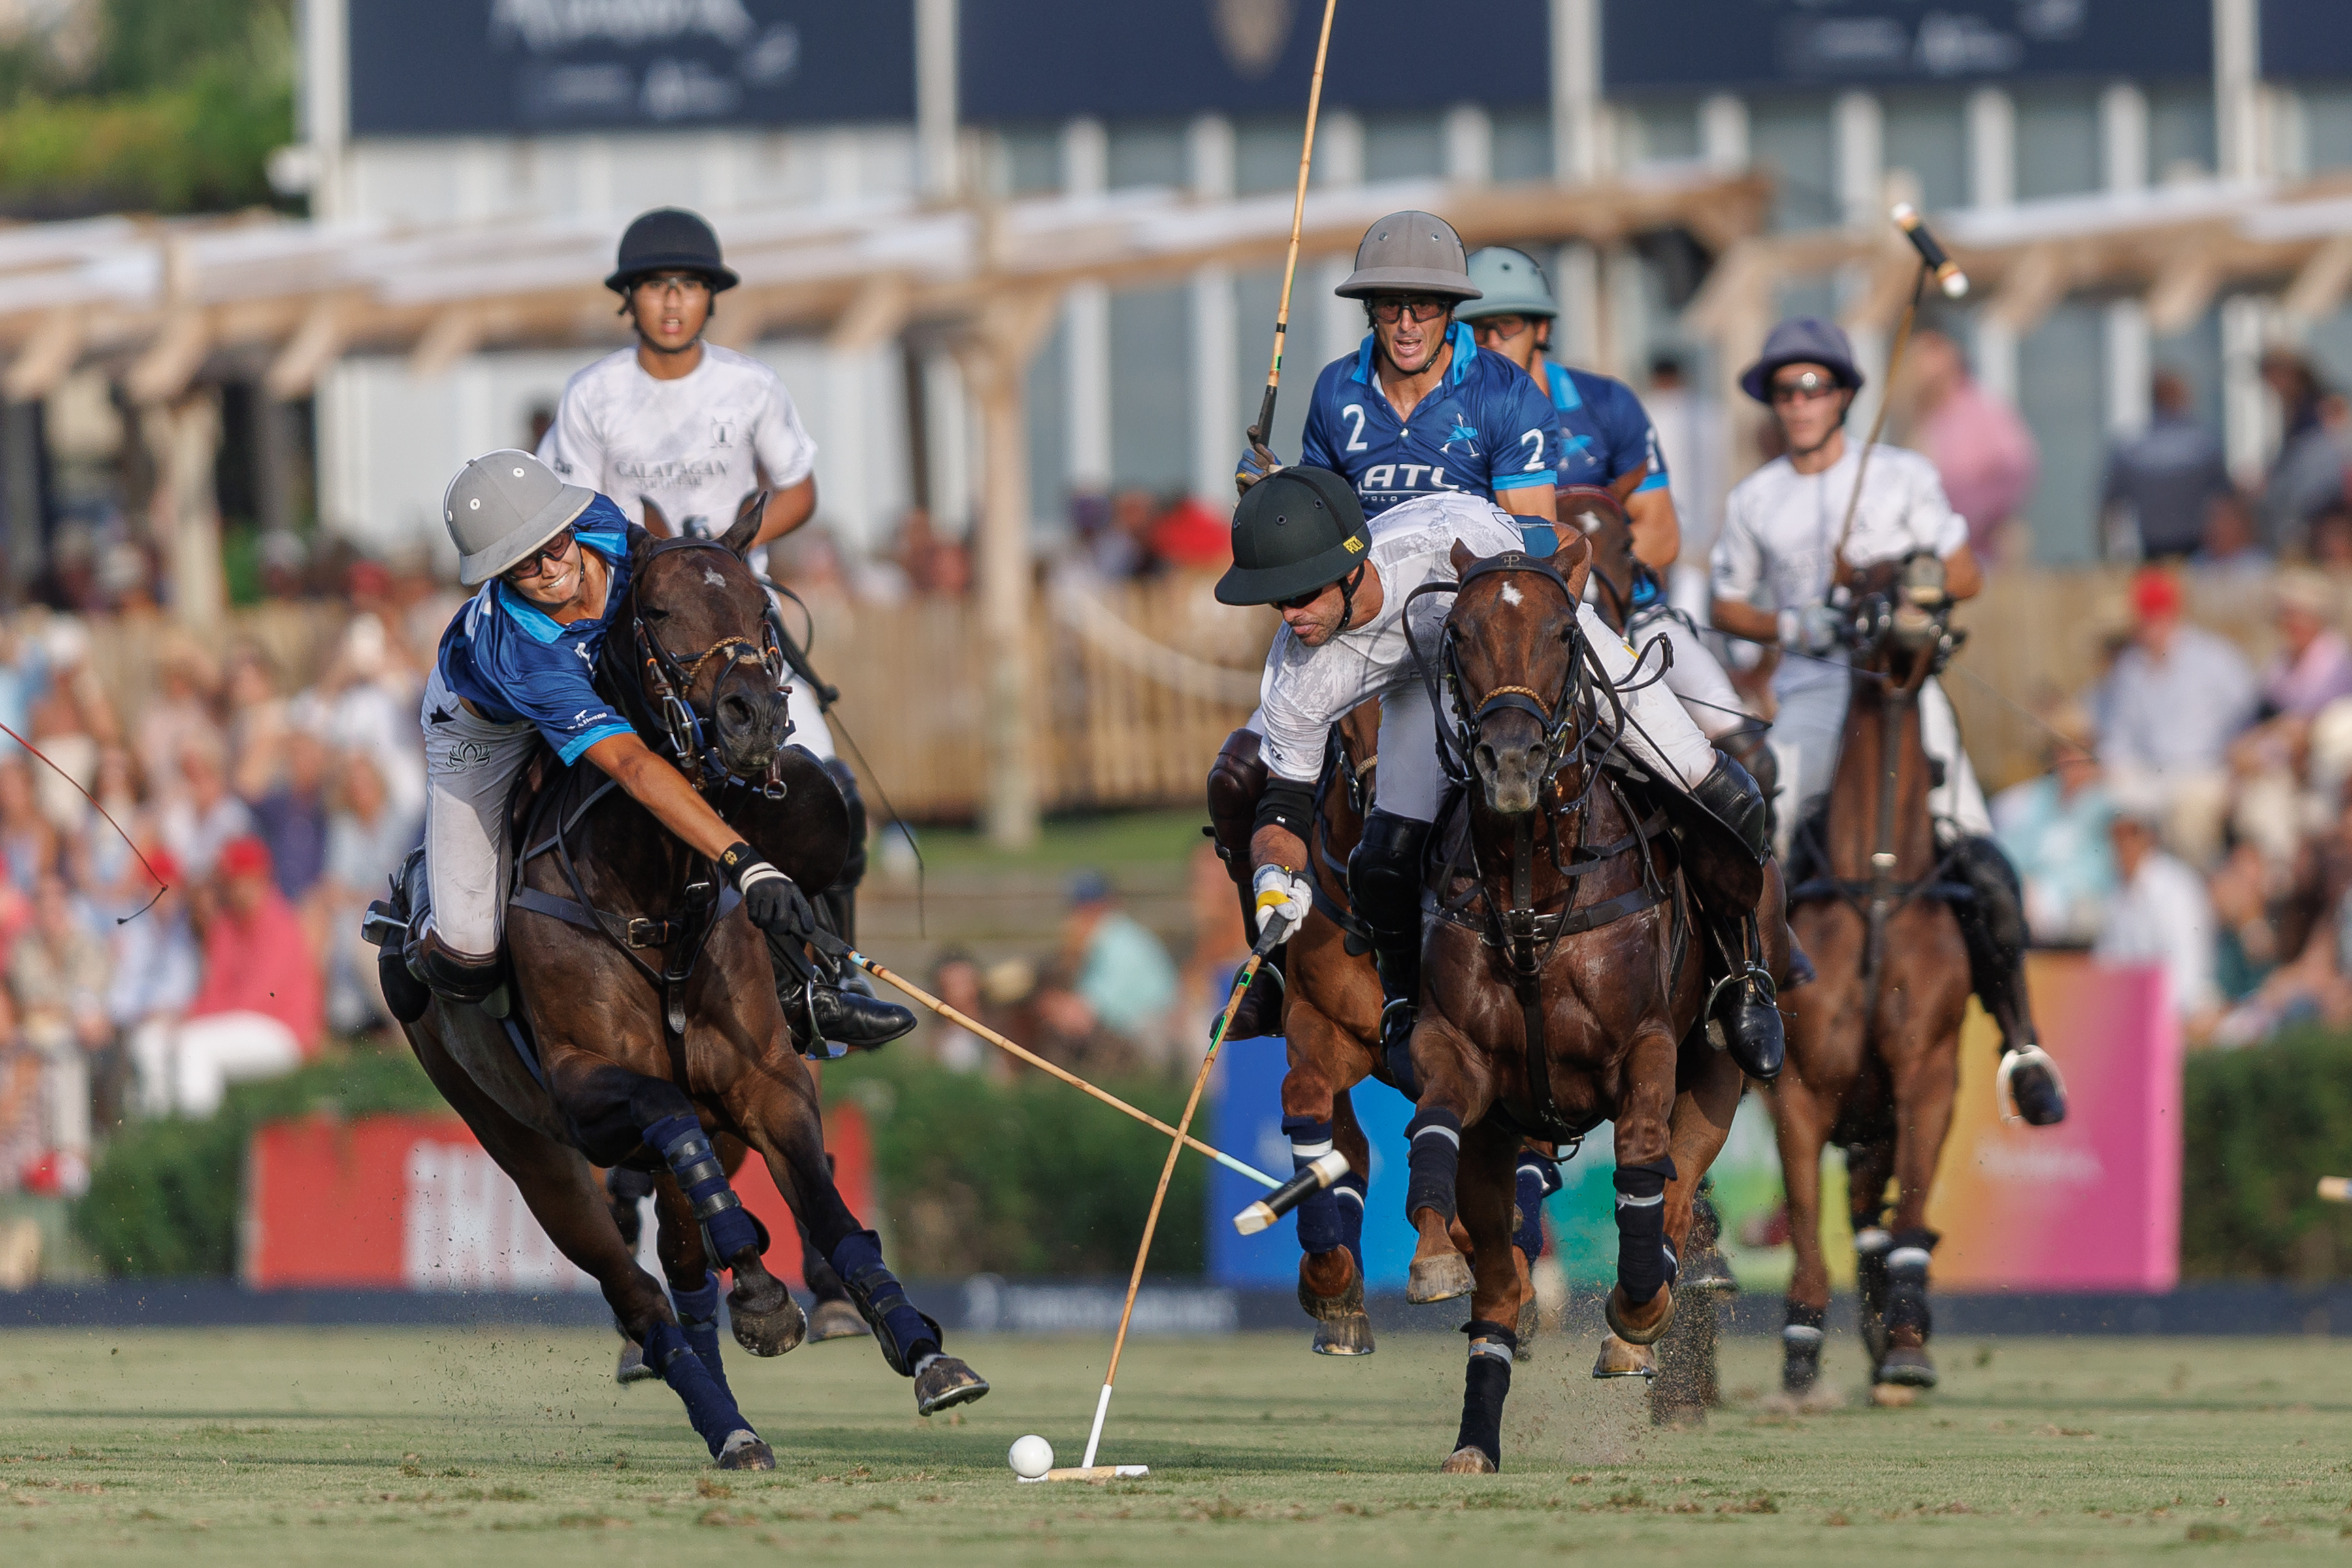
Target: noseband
672, 681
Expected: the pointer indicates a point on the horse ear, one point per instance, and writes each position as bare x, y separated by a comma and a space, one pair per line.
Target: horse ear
1573, 560
747, 523
655, 523
1463, 558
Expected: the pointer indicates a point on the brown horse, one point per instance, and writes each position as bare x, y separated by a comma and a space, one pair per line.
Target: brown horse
660, 1066
1563, 986
1874, 1055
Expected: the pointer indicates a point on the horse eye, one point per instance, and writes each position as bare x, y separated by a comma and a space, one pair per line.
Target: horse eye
654, 613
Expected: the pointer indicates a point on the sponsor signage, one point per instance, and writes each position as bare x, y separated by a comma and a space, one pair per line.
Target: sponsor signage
1704, 46
427, 68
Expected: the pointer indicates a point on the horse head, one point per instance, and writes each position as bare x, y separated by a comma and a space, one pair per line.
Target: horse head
1596, 513
708, 661
1899, 624
1512, 652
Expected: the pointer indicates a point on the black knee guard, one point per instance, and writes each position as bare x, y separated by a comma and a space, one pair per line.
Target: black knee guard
1486, 1383
1237, 780
1384, 883
1434, 1137
1645, 1264
454, 976
839, 900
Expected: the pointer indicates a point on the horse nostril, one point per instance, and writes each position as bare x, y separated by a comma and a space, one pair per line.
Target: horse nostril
1486, 758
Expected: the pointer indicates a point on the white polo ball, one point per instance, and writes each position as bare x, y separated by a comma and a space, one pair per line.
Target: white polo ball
1031, 1457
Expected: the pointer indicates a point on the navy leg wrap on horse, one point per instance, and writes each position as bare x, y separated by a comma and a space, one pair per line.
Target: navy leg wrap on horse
1319, 1228
1907, 1281
1486, 1383
1436, 1136
908, 1336
1538, 1178
698, 1318
1348, 1196
1645, 1266
708, 1403
682, 1142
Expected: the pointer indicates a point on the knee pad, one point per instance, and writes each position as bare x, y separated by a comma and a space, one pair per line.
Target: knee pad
852, 870
2000, 902
1319, 1227
680, 1140
1645, 1264
1434, 1137
1237, 780
1384, 873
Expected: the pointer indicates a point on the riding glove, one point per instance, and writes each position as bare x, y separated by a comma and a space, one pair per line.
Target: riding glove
1282, 895
773, 900
1814, 629
1254, 465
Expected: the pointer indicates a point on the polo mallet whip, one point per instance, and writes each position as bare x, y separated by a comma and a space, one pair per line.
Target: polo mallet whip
1034, 1060
1261, 432
1933, 263
1276, 929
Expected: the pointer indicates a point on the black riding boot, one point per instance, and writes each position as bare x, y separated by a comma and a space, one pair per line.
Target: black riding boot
818, 1010
1741, 1000
1992, 923
1384, 883
837, 905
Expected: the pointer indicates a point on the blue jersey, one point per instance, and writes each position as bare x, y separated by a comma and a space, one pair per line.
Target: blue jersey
511, 659
1486, 429
1605, 431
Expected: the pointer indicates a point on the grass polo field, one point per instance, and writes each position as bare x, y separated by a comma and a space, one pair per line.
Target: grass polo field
406, 1445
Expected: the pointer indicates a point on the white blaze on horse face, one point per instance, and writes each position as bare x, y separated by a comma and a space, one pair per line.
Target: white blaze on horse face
710, 575
1511, 594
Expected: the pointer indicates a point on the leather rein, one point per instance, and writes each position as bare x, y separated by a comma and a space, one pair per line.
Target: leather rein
1529, 938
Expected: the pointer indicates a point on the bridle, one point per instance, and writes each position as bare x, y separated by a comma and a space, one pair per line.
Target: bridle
671, 681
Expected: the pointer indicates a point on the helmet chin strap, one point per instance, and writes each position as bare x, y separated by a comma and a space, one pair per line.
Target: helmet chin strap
1347, 586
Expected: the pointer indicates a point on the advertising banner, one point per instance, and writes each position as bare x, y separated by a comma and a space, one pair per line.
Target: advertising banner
412, 1201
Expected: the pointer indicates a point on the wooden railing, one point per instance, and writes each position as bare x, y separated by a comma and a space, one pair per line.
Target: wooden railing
1138, 684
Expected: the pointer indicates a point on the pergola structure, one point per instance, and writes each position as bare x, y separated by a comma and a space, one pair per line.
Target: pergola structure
160, 303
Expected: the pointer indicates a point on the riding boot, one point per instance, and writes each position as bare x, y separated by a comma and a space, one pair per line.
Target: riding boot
1236, 779
1385, 878
820, 1012
1992, 923
1742, 1001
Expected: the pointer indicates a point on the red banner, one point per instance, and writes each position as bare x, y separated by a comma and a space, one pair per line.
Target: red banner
413, 1201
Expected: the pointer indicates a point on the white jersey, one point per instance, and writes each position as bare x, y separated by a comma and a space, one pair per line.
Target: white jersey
1779, 539
693, 446
1306, 690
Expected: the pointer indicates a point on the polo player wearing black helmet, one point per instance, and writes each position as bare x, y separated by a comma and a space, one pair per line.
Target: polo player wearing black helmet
1302, 544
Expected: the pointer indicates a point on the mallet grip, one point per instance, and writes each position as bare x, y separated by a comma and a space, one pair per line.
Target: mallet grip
1947, 274
1321, 1174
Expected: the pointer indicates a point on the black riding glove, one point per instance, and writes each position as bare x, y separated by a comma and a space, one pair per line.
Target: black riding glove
773, 900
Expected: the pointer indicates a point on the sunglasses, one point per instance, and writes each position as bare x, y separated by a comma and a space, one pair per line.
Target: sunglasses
1498, 329
1389, 310
1804, 389
1300, 601
549, 554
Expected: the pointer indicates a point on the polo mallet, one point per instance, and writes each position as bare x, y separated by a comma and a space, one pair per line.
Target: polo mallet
1935, 264
1034, 1060
1261, 432
1276, 929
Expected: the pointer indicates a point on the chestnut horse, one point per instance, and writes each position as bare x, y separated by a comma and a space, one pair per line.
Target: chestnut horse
1563, 984
1873, 1052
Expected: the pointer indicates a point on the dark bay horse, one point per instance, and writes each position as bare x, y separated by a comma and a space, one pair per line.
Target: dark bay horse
655, 1039
1562, 986
1873, 1052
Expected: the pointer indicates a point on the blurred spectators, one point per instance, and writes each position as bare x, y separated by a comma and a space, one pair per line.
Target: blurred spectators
201, 819
290, 816
1982, 448
2168, 709
57, 973
2160, 914
2309, 471
956, 981
2055, 828
2314, 664
2233, 544
2158, 481
364, 841
1116, 967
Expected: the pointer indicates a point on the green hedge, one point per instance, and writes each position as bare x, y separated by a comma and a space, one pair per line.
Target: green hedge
163, 1199
2264, 1125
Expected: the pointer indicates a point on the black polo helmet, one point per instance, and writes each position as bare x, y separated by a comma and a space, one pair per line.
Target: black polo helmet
670, 240
1295, 531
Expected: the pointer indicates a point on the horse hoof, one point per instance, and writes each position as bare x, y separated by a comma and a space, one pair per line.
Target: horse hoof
836, 1320
744, 1451
766, 1325
633, 1367
1525, 1349
1348, 1335
1468, 1460
1620, 1358
946, 1382
2040, 1102
1618, 1313
1893, 1395
1439, 1279
1908, 1368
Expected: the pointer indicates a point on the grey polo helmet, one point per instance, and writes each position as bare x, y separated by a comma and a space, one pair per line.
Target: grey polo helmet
502, 506
1409, 253
1509, 284
1295, 531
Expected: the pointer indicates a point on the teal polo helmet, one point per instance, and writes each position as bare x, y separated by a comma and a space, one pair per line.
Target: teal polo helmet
1509, 284
1297, 531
